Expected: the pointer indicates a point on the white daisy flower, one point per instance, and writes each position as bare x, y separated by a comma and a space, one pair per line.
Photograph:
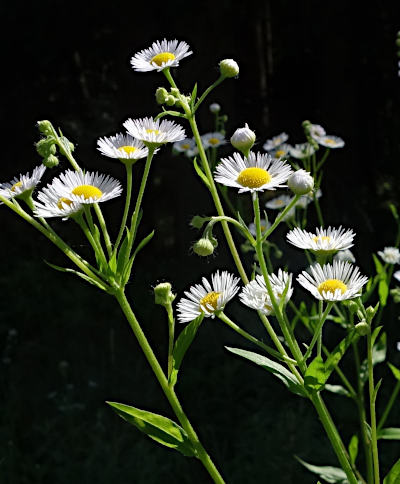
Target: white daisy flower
283, 151
305, 200
255, 294
18, 185
336, 282
213, 140
323, 241
276, 141
160, 55
345, 255
154, 133
302, 150
390, 255
316, 131
330, 141
257, 172
279, 203
396, 275
185, 145
265, 225
192, 153
50, 204
85, 188
122, 147
207, 298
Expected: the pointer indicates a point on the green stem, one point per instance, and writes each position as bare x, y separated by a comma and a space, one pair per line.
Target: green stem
168, 391
169, 77
389, 406
323, 159
237, 224
85, 229
372, 409
98, 248
171, 336
103, 227
128, 167
318, 329
318, 209
319, 342
207, 92
280, 217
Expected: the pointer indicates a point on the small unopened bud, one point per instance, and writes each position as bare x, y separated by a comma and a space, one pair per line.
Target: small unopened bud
229, 68
170, 101
243, 139
175, 91
45, 127
215, 108
163, 294
50, 161
46, 147
161, 95
203, 247
362, 328
371, 312
352, 306
224, 118
300, 182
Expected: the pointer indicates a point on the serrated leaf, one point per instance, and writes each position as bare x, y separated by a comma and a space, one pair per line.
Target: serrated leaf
201, 174
393, 477
276, 369
159, 428
353, 449
328, 473
338, 389
315, 376
390, 433
395, 371
182, 344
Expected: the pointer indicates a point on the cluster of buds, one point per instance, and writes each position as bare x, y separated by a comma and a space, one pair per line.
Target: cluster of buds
307, 125
171, 97
47, 146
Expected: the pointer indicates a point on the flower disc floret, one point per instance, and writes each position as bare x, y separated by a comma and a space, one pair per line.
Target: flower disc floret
207, 298
328, 240
160, 55
122, 147
337, 282
257, 172
154, 132
19, 185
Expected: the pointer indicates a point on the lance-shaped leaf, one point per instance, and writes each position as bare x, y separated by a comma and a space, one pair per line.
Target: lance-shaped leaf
128, 267
395, 371
182, 344
390, 433
79, 274
201, 174
159, 428
393, 476
276, 369
353, 449
338, 389
334, 475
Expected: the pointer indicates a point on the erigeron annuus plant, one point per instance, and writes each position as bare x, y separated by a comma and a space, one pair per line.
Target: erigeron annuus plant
338, 290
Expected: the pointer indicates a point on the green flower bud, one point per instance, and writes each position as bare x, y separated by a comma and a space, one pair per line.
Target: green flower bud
362, 328
229, 68
46, 147
300, 182
203, 247
45, 127
395, 293
353, 306
371, 312
161, 95
163, 294
224, 118
50, 161
170, 101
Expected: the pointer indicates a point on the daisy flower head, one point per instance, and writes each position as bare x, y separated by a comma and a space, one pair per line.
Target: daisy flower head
330, 141
323, 241
255, 294
273, 143
316, 131
390, 255
19, 185
50, 204
185, 145
213, 140
256, 172
154, 133
85, 188
345, 255
160, 55
302, 150
278, 202
282, 151
337, 282
207, 298
122, 147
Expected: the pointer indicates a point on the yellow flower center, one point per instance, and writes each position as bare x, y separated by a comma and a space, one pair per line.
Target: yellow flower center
253, 177
155, 131
321, 238
210, 299
185, 147
214, 141
64, 200
88, 191
162, 58
330, 285
329, 141
16, 185
127, 149
280, 153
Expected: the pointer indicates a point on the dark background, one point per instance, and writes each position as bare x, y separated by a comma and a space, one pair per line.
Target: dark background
334, 64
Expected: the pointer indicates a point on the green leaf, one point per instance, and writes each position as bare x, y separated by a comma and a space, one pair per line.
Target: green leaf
79, 274
383, 291
375, 334
337, 354
315, 376
143, 244
201, 174
353, 449
159, 428
338, 389
375, 394
193, 96
393, 209
328, 473
112, 264
393, 477
391, 433
122, 253
182, 344
378, 266
395, 371
276, 369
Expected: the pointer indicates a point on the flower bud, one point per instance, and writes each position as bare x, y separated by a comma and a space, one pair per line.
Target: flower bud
170, 101
163, 294
362, 328
352, 306
229, 68
45, 127
203, 247
243, 139
215, 108
300, 182
50, 161
46, 147
371, 312
161, 95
